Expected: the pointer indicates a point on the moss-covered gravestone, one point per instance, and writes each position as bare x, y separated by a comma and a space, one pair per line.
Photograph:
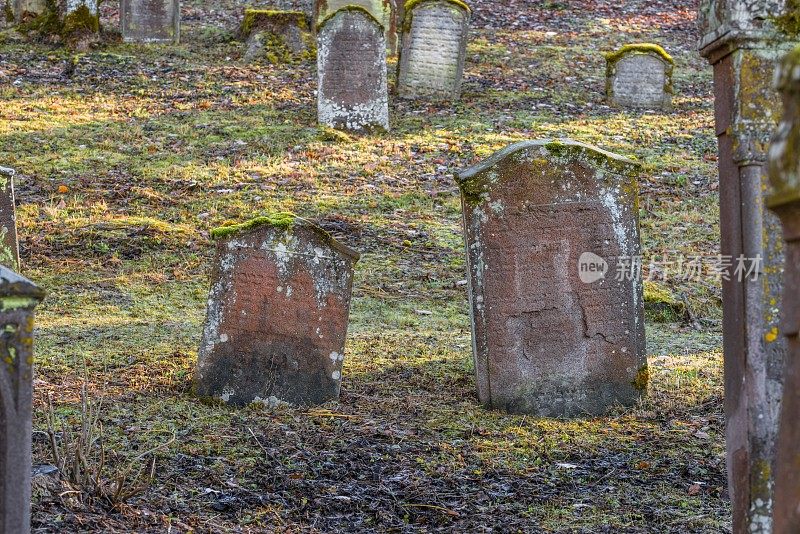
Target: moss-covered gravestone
433, 49
76, 23
18, 298
9, 246
784, 173
640, 76
384, 11
278, 36
351, 66
277, 314
552, 239
150, 21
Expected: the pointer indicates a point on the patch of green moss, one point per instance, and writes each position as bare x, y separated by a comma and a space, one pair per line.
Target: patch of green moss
349, 7
8, 11
255, 19
562, 150
333, 135
276, 220
661, 305
789, 22
80, 22
642, 380
642, 48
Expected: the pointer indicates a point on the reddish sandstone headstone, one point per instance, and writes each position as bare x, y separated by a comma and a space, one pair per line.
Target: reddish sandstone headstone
784, 167
277, 314
9, 247
18, 298
552, 241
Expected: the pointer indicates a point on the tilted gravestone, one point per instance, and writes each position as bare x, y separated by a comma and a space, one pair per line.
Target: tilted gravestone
433, 48
277, 314
384, 11
744, 40
552, 240
640, 76
351, 65
18, 298
784, 173
150, 21
279, 36
9, 246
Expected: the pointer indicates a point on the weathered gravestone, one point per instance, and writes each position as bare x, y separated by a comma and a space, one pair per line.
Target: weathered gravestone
384, 11
26, 10
744, 40
639, 76
150, 21
351, 65
433, 49
784, 167
552, 239
277, 314
18, 298
9, 246
279, 36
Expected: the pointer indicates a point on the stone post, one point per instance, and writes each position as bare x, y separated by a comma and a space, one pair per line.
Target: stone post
743, 39
18, 298
784, 167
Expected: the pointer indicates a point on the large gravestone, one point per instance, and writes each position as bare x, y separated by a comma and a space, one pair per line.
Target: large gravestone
744, 40
552, 241
277, 314
351, 65
384, 11
640, 76
150, 21
9, 246
433, 49
18, 298
784, 158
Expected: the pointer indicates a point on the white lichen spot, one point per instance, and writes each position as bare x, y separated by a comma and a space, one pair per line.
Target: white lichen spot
227, 393
223, 338
336, 375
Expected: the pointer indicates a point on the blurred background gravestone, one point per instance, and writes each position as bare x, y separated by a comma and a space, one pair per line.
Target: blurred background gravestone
744, 41
9, 244
18, 298
278, 36
552, 235
433, 49
150, 21
351, 66
640, 76
278, 313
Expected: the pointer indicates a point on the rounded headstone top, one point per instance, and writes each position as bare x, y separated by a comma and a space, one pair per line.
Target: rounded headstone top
411, 4
640, 48
15, 285
349, 8
283, 220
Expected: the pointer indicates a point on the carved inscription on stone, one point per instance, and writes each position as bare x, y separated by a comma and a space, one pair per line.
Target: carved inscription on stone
547, 340
433, 50
641, 81
351, 63
150, 21
277, 317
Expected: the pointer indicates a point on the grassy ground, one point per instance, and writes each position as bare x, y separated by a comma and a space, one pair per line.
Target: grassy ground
126, 164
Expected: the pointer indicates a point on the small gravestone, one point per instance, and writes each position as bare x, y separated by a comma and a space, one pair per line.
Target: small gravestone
18, 298
150, 21
27, 10
277, 314
640, 76
433, 49
552, 246
279, 36
784, 171
9, 246
384, 11
351, 65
